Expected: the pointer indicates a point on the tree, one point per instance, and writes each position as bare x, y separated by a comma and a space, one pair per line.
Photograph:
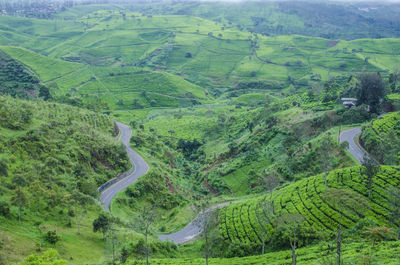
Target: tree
3, 167
394, 79
124, 255
44, 92
394, 206
112, 243
369, 171
289, 224
133, 124
371, 91
270, 183
52, 237
81, 203
325, 154
377, 234
135, 102
20, 198
207, 222
144, 221
265, 218
102, 223
4, 208
343, 201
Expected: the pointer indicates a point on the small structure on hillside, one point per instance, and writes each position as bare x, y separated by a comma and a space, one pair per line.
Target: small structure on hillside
349, 102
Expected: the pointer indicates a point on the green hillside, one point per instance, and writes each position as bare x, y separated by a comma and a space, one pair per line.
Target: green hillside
19, 81
382, 138
334, 20
208, 53
226, 102
51, 162
239, 223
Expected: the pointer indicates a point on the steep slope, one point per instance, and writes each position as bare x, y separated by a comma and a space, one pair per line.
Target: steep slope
52, 159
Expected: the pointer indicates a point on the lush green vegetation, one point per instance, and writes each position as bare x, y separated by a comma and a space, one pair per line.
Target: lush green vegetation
239, 223
382, 138
225, 101
390, 122
313, 18
19, 81
353, 253
52, 161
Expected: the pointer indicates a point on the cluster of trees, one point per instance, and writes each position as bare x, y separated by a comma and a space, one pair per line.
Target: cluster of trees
143, 222
18, 82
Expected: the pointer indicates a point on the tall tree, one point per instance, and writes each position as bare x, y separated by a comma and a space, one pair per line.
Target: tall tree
144, 221
325, 153
289, 225
81, 203
271, 182
371, 91
343, 201
368, 172
265, 217
20, 198
103, 224
207, 222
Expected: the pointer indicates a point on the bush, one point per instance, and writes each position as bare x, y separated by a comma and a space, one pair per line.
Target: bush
4, 208
51, 237
355, 115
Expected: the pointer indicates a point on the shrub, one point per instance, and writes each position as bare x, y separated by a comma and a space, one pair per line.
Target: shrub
51, 237
4, 208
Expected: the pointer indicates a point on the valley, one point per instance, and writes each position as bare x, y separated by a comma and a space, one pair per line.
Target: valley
199, 132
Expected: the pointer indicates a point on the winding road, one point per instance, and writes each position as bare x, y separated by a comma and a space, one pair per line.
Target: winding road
140, 168
110, 189
355, 150
193, 229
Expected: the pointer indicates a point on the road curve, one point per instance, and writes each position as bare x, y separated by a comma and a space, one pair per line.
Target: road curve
140, 166
355, 150
193, 229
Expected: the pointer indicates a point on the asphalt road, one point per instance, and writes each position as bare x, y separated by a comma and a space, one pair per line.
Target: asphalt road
193, 229
140, 165
354, 149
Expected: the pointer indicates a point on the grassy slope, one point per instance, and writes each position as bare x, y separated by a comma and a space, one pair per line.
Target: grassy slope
18, 147
224, 57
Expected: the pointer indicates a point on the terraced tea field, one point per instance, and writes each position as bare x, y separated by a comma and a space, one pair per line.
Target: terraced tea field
239, 223
389, 122
204, 52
